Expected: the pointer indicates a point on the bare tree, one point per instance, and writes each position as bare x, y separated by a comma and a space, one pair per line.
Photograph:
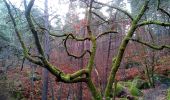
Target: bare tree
46, 50
85, 74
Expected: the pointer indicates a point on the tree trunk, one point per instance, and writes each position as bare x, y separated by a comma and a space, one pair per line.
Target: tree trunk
46, 46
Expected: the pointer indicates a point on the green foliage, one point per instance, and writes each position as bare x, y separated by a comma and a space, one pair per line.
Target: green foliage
131, 87
137, 82
123, 99
134, 89
168, 94
119, 89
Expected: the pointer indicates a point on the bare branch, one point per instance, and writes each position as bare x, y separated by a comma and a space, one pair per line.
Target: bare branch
25, 50
64, 35
161, 9
117, 8
75, 56
99, 16
32, 28
77, 38
153, 22
67, 78
153, 46
105, 33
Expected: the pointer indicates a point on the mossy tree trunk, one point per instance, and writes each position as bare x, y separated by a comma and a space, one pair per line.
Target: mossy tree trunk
121, 50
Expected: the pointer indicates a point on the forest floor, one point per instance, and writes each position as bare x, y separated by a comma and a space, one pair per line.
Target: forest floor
21, 87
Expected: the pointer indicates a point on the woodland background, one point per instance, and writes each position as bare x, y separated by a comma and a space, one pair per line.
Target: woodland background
23, 80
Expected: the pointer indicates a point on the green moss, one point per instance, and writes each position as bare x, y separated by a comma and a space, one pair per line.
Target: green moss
135, 85
94, 91
137, 82
135, 91
123, 99
119, 89
168, 94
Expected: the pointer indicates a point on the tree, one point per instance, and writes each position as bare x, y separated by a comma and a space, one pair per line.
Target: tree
46, 50
85, 74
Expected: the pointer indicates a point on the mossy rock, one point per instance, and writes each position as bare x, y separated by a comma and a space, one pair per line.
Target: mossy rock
130, 88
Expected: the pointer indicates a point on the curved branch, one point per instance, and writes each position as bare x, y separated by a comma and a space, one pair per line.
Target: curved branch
161, 9
153, 46
117, 8
65, 45
77, 38
153, 22
65, 35
164, 11
78, 73
66, 78
105, 33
